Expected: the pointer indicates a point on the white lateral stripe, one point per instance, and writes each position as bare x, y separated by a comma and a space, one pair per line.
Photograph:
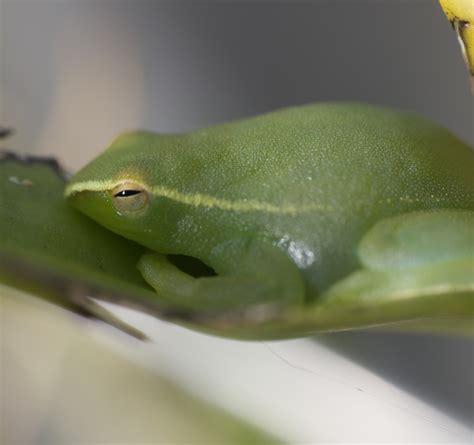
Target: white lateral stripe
200, 200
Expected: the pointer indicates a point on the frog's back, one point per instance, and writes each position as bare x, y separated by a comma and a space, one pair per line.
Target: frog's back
318, 153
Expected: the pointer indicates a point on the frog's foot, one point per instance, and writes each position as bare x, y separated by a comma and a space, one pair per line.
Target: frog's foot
418, 238
415, 265
253, 275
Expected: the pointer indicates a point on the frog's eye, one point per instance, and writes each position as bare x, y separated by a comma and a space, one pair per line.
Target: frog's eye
129, 198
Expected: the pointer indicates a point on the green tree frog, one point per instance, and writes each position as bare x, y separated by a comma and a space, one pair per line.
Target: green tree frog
286, 205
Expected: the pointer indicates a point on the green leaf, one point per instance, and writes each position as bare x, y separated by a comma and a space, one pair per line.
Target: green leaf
50, 249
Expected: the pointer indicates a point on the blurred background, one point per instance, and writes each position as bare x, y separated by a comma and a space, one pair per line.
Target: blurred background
75, 73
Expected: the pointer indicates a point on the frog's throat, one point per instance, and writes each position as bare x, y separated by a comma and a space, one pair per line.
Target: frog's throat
199, 199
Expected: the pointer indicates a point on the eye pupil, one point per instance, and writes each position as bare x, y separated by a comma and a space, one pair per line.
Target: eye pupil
126, 193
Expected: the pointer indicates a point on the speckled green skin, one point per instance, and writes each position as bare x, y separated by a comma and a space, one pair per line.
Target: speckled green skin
337, 169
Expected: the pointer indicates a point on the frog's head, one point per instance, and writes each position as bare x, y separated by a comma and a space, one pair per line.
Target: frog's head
116, 188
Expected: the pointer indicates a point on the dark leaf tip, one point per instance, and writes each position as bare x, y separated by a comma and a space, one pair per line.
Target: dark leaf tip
6, 155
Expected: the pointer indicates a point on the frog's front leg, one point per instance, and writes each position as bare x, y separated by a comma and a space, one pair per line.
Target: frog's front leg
250, 273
